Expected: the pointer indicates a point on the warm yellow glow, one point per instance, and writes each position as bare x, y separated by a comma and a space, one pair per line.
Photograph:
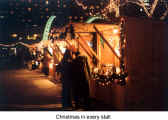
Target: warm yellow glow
115, 31
29, 9
52, 45
14, 35
52, 61
62, 49
51, 65
50, 50
62, 46
117, 52
35, 35
47, 2
118, 70
43, 84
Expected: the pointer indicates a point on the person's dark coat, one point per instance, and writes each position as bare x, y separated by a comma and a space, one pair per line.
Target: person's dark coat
81, 76
66, 78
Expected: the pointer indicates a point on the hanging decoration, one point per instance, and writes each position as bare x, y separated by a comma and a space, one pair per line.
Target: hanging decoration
113, 8
114, 75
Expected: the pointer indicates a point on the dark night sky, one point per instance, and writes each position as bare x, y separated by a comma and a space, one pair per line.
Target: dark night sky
15, 16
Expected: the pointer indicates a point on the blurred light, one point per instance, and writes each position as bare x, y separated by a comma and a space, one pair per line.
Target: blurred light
76, 17
47, 2
14, 35
46, 9
35, 25
52, 61
118, 70
52, 45
63, 49
115, 31
29, 9
101, 3
36, 62
35, 35
51, 65
50, 50
117, 52
90, 44
97, 6
64, 6
1, 17
91, 7
70, 17
81, 17
43, 84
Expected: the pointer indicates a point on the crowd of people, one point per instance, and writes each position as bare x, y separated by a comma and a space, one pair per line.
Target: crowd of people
75, 75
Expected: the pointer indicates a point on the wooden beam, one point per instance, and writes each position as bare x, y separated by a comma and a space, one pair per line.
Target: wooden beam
84, 49
90, 49
58, 48
108, 44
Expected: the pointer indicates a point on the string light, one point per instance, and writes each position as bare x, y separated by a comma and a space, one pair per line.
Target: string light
115, 5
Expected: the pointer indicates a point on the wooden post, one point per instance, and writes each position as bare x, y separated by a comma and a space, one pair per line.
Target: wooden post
108, 44
84, 49
93, 53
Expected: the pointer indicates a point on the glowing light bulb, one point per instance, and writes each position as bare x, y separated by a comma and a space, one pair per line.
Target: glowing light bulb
115, 31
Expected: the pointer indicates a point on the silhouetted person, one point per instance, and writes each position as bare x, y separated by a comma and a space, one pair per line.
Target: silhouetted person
46, 60
81, 76
65, 68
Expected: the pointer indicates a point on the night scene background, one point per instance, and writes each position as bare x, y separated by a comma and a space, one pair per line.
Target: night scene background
123, 43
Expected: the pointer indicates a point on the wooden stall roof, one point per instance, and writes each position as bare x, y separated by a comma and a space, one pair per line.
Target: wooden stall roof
85, 27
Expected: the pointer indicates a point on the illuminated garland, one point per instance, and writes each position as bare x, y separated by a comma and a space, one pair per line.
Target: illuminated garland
106, 81
115, 5
15, 44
